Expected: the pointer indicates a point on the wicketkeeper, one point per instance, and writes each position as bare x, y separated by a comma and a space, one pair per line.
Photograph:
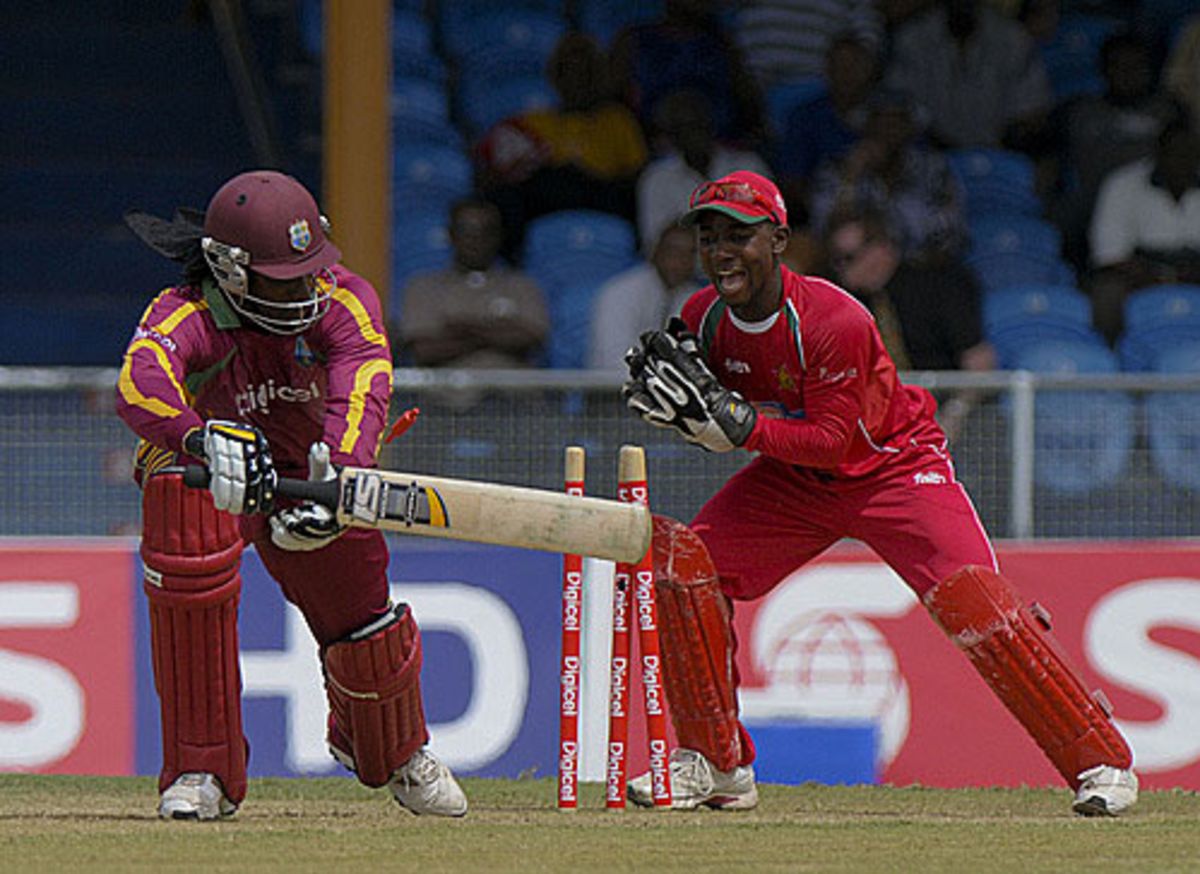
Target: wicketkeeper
792, 368
268, 359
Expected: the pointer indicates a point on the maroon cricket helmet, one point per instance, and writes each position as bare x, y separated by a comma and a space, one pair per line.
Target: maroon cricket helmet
273, 218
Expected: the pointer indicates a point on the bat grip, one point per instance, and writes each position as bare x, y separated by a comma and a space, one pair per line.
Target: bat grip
326, 492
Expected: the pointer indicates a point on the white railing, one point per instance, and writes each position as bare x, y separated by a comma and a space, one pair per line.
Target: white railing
67, 455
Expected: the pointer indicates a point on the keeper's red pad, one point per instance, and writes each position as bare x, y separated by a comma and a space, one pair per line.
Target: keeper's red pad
1012, 648
373, 684
191, 553
697, 647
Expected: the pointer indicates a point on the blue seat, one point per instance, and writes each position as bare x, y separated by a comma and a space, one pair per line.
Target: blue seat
1072, 57
420, 110
1173, 420
429, 177
420, 242
783, 97
1013, 232
1156, 318
996, 270
1021, 315
995, 180
604, 19
484, 102
1082, 439
572, 247
497, 35
570, 321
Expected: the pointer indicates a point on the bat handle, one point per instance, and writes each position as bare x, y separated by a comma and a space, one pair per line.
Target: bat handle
326, 492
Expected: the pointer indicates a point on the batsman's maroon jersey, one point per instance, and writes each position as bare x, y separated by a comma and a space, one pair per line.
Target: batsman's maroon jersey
826, 391
192, 359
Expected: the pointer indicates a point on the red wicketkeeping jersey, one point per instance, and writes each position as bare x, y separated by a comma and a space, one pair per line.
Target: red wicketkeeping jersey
826, 391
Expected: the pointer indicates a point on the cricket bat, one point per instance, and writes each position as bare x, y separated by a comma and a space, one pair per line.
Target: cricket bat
481, 512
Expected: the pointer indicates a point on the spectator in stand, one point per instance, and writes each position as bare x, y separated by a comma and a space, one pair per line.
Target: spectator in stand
1106, 131
930, 316
890, 170
1145, 229
977, 74
786, 40
1181, 73
478, 312
643, 297
829, 125
685, 122
586, 154
688, 47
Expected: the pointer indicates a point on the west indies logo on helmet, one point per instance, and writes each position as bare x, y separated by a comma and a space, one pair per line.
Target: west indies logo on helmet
268, 223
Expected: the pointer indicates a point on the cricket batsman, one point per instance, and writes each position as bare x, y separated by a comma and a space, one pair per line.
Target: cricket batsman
268, 359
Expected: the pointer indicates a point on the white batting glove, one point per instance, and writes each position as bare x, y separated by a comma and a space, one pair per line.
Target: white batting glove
310, 525
242, 475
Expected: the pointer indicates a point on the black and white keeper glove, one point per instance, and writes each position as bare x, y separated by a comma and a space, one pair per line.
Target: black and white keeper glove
242, 476
670, 386
310, 525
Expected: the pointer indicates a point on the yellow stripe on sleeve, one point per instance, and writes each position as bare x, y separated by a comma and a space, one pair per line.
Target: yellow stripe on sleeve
358, 399
171, 322
361, 317
129, 391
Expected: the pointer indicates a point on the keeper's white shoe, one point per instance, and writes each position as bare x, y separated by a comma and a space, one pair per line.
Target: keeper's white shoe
195, 795
1105, 791
424, 785
695, 781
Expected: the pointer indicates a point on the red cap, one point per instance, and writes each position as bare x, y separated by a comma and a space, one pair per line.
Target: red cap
272, 217
741, 195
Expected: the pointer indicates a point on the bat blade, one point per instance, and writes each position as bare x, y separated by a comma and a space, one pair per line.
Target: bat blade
486, 512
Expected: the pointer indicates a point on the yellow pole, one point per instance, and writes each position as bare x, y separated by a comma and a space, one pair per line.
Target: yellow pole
357, 135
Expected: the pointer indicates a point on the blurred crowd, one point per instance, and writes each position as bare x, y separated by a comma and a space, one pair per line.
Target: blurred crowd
932, 153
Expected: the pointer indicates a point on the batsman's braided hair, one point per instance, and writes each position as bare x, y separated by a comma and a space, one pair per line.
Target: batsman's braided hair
177, 239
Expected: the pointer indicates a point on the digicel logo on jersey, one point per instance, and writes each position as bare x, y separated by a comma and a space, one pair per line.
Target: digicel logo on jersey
258, 398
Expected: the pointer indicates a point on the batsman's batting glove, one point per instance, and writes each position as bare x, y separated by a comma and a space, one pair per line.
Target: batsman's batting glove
308, 526
242, 477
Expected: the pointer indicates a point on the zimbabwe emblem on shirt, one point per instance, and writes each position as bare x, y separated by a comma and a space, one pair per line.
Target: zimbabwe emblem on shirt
299, 235
786, 381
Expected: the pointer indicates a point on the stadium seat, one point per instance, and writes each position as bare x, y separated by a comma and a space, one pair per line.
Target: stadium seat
572, 247
1072, 57
1173, 420
1082, 438
1013, 232
496, 35
783, 97
429, 177
420, 242
1021, 315
485, 102
996, 270
570, 322
413, 51
421, 111
1156, 318
995, 180
604, 19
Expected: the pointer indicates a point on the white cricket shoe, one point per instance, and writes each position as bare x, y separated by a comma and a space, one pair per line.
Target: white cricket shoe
424, 785
195, 795
695, 781
1105, 791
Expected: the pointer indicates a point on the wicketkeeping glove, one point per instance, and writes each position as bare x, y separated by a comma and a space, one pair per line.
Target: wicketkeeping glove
670, 385
310, 525
242, 476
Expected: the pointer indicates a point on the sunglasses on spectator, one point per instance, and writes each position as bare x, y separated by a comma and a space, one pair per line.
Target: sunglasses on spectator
733, 192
